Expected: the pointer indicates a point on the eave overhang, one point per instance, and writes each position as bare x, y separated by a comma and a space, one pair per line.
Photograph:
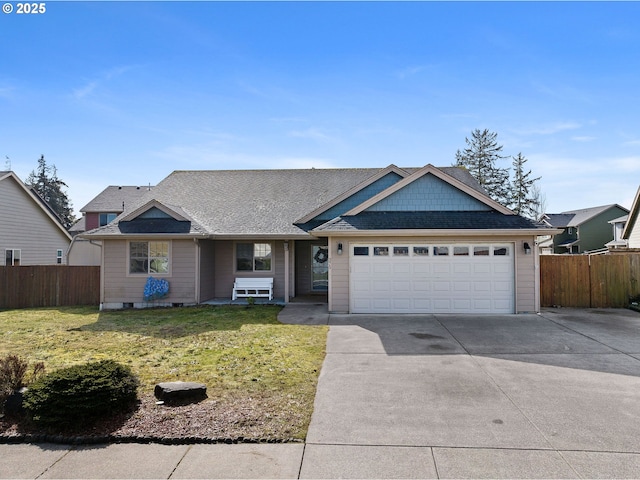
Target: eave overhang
438, 232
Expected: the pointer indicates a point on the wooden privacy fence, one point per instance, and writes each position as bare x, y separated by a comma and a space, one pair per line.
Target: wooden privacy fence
49, 286
596, 281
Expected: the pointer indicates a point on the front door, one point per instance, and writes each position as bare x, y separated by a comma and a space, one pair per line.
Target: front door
319, 268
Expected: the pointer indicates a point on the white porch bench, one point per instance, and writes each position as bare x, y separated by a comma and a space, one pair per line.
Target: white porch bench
253, 287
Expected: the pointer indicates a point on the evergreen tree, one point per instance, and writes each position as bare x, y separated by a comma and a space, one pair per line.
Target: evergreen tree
523, 201
480, 158
46, 183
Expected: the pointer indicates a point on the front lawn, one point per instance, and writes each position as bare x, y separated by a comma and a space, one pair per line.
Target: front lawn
261, 375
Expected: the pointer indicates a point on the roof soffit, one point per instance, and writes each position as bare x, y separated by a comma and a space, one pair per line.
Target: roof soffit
430, 169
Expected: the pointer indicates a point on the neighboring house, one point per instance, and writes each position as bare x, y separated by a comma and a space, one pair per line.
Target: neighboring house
388, 240
617, 225
583, 231
631, 232
100, 211
30, 232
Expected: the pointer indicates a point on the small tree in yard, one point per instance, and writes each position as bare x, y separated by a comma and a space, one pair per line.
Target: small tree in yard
45, 181
523, 199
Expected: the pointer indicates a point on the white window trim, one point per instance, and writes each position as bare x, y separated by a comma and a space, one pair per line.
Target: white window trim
149, 274
13, 256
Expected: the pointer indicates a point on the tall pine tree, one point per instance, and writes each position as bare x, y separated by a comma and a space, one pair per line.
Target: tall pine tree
480, 158
523, 201
45, 181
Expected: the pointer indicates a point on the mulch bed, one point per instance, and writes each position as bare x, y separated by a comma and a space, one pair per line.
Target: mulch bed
244, 420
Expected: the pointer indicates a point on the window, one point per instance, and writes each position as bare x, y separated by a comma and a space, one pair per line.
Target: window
481, 251
106, 218
361, 251
441, 251
59, 256
400, 251
421, 251
501, 251
461, 251
381, 251
149, 257
253, 257
12, 257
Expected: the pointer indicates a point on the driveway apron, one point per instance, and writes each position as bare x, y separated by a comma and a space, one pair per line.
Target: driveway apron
555, 395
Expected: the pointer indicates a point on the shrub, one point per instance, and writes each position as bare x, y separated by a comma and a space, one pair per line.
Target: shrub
81, 394
12, 372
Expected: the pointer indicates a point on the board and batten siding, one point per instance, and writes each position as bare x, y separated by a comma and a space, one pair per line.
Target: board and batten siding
119, 287
526, 273
25, 226
225, 271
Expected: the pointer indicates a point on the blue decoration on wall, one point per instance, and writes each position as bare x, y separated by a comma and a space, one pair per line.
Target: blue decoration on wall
155, 288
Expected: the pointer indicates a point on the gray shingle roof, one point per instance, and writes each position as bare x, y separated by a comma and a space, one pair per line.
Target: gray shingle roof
111, 198
257, 202
429, 220
575, 218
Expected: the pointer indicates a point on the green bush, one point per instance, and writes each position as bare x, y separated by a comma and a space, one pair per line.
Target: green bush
81, 394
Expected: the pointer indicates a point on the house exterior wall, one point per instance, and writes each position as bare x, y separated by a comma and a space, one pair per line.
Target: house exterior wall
207, 269
119, 287
83, 253
634, 236
26, 227
596, 232
526, 267
92, 220
563, 237
225, 271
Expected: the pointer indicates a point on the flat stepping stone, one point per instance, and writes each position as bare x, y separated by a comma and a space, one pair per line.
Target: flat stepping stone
180, 392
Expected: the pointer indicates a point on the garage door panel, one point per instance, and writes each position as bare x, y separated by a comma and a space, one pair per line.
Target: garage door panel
439, 268
381, 267
480, 282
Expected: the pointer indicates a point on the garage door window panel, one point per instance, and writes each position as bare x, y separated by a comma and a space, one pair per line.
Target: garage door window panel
440, 251
421, 251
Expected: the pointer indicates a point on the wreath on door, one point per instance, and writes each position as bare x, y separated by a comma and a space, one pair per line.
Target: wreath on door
322, 255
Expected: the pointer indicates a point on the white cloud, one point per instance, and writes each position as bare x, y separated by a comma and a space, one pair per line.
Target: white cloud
583, 138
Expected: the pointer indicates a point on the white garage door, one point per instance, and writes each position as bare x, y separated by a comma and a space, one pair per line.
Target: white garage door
432, 278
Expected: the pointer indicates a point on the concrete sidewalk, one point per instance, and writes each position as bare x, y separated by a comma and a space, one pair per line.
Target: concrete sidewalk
555, 395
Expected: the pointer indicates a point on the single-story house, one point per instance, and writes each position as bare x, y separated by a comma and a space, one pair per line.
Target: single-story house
385, 240
582, 231
631, 231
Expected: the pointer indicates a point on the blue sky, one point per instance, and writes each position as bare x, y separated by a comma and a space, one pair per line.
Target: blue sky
123, 93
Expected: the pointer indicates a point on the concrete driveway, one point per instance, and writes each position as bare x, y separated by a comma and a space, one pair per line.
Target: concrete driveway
555, 395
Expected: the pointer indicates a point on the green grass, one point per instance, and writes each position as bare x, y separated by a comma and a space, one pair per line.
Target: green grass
237, 352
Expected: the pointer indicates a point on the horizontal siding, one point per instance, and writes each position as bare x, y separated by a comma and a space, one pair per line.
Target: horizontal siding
226, 273
25, 226
119, 287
